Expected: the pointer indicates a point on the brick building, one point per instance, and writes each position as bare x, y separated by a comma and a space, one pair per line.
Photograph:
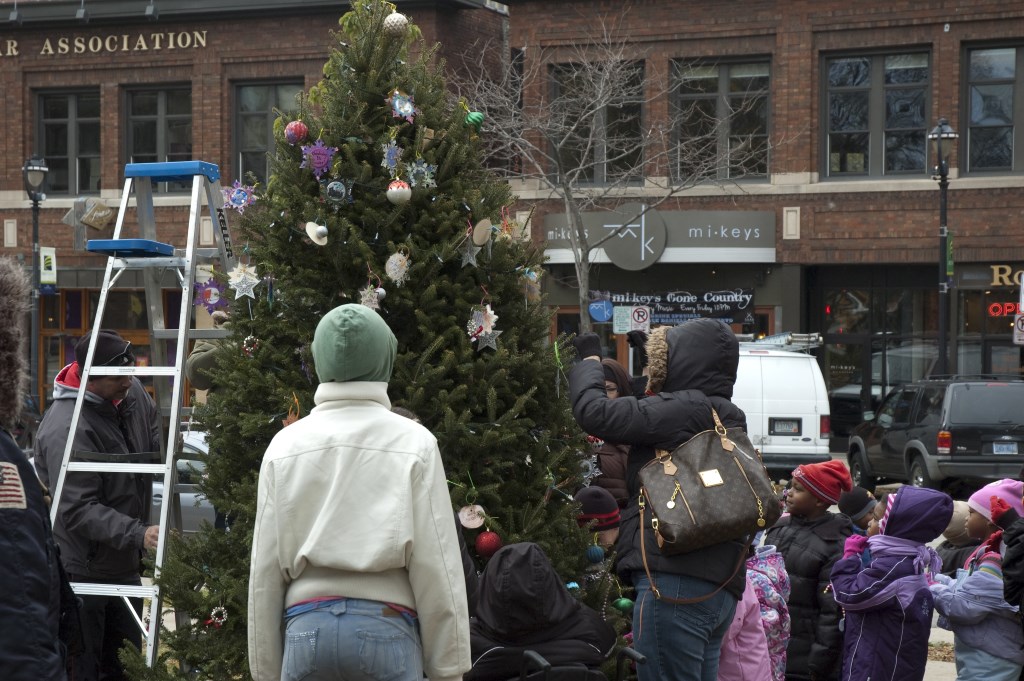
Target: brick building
843, 208
94, 85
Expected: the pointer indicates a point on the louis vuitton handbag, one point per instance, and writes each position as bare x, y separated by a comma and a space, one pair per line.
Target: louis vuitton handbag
710, 489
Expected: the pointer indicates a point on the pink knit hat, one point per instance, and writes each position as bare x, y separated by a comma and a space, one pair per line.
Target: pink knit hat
1008, 490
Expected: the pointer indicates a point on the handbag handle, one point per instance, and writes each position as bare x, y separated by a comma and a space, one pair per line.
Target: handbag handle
684, 601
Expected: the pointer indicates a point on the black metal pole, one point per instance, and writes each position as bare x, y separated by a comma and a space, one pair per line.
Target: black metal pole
943, 271
34, 342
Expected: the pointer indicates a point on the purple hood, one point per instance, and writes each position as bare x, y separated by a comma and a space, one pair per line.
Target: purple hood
918, 514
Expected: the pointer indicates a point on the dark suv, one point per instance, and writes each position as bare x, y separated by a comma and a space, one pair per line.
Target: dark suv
934, 431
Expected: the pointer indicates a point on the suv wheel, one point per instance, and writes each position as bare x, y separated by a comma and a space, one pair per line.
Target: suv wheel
919, 476
858, 472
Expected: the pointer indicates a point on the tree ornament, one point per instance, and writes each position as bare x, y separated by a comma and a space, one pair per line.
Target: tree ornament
402, 105
397, 267
589, 469
392, 157
472, 516
318, 157
395, 24
573, 587
399, 192
481, 320
210, 294
469, 253
218, 616
531, 284
476, 120
338, 192
244, 280
368, 297
295, 132
487, 543
250, 345
623, 605
421, 174
595, 553
381, 293
317, 233
488, 340
239, 196
482, 232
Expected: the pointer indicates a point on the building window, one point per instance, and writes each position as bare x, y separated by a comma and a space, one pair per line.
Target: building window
602, 145
256, 108
721, 120
69, 135
877, 111
160, 129
992, 87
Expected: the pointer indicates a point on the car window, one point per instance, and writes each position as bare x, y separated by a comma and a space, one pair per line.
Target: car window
887, 411
929, 409
905, 400
987, 403
190, 471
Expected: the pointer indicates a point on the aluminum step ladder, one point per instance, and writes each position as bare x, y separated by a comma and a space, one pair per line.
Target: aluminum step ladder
156, 261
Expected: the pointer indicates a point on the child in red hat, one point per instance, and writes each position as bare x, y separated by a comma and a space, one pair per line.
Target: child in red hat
811, 538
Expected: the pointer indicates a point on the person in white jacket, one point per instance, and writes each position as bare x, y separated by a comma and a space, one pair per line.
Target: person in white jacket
356, 572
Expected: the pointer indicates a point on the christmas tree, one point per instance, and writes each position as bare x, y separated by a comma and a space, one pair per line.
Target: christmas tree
378, 196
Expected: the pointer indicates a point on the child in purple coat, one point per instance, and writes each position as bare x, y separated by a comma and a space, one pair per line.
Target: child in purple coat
888, 605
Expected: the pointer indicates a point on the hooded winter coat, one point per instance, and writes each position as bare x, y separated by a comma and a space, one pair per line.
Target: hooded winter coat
889, 639
692, 370
103, 517
745, 654
525, 605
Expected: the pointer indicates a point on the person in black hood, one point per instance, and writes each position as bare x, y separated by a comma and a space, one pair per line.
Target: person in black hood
692, 369
522, 605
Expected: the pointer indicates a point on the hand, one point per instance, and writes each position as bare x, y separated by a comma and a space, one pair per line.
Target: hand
638, 341
587, 345
855, 545
993, 542
149, 542
999, 507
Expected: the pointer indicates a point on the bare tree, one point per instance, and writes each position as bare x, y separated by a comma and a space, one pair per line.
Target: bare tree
595, 125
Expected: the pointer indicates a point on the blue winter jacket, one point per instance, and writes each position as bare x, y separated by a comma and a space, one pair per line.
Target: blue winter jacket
889, 639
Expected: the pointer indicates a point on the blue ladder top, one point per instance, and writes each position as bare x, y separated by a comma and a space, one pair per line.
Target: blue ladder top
174, 171
130, 248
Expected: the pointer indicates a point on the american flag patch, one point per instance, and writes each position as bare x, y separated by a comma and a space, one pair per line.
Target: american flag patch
12, 491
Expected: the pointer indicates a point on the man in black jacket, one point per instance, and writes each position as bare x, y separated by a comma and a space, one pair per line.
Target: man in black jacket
692, 369
101, 524
30, 648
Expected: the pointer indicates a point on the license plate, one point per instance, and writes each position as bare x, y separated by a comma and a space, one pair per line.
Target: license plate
781, 427
1004, 447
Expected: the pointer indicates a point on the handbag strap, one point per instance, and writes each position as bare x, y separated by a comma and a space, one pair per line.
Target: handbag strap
684, 601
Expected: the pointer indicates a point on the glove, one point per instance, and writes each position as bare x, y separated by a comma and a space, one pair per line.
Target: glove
993, 542
587, 345
638, 341
999, 507
855, 545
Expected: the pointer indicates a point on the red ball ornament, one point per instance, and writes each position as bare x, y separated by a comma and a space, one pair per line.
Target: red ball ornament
488, 543
295, 132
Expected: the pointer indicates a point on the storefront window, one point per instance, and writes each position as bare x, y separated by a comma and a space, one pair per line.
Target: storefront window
903, 311
973, 312
968, 357
1006, 360
568, 322
125, 309
847, 311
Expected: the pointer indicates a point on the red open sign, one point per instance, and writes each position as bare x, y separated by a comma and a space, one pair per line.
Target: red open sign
1003, 309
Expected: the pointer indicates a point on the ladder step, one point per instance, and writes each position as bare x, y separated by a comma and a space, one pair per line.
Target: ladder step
147, 263
194, 334
99, 467
173, 171
129, 590
133, 371
142, 248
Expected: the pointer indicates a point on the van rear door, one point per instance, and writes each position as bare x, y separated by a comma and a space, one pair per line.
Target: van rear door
795, 402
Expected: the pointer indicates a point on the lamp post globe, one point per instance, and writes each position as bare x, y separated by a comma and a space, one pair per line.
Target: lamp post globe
943, 137
34, 174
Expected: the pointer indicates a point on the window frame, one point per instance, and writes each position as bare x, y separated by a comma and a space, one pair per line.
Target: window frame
964, 142
74, 156
163, 121
271, 115
722, 97
600, 162
876, 129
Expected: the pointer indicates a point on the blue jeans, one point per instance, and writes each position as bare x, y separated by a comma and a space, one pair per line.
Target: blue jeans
352, 640
681, 642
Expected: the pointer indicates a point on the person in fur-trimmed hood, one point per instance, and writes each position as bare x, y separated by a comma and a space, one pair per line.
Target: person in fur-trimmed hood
30, 647
692, 370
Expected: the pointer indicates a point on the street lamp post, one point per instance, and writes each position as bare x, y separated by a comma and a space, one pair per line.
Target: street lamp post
943, 137
34, 174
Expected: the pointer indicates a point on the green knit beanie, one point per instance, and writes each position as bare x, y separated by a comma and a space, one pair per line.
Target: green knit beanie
353, 343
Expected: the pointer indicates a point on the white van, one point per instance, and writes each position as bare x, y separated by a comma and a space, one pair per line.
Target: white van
783, 395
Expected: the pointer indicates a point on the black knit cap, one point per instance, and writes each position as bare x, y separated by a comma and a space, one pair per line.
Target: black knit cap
598, 505
111, 350
856, 503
